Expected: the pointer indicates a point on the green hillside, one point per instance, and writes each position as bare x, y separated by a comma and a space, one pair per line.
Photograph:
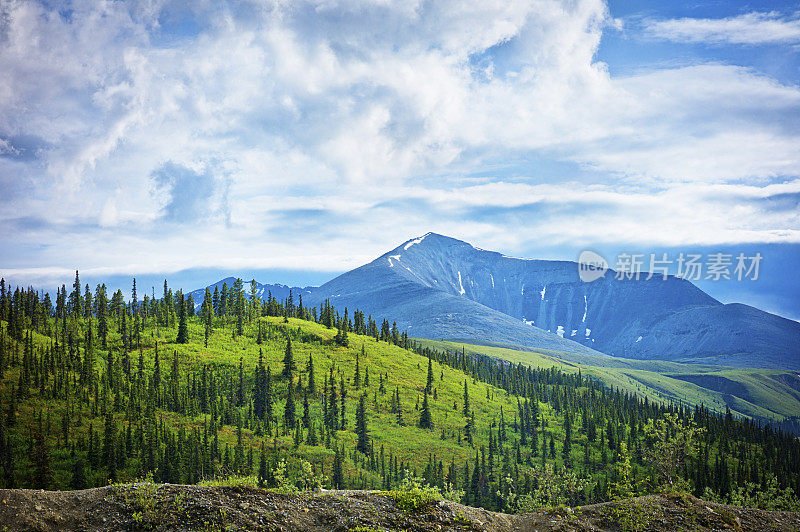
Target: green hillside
96, 389
765, 395
397, 368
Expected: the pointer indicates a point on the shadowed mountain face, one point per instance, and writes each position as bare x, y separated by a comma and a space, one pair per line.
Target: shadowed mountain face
442, 288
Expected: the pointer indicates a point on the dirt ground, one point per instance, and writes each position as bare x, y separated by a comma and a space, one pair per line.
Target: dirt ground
183, 508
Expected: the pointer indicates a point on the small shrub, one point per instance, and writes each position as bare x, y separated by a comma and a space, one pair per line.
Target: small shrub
727, 516
141, 498
751, 495
630, 515
300, 477
452, 494
462, 520
232, 481
413, 494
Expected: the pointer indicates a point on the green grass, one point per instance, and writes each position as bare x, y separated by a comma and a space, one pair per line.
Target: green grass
767, 395
404, 370
771, 395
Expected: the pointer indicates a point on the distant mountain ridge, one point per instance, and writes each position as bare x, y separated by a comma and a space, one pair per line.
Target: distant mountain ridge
278, 291
439, 287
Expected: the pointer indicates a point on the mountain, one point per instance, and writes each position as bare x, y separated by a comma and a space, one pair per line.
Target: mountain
439, 287
278, 291
422, 285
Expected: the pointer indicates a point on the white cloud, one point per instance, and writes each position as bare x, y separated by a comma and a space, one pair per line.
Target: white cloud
748, 28
318, 121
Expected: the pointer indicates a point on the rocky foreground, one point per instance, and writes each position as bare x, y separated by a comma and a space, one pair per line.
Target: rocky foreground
172, 507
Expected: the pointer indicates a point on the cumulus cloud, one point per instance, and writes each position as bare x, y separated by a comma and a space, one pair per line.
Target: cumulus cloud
188, 195
259, 130
747, 28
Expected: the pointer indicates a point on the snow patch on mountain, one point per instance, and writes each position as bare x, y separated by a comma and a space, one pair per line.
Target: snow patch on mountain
461, 286
585, 309
426, 283
415, 241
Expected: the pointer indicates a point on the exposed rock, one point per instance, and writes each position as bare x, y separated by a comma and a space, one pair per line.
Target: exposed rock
183, 508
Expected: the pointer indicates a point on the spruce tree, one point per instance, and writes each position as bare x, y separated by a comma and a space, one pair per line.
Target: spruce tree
288, 360
2, 353
208, 314
215, 299
289, 415
425, 420
87, 371
567, 439
240, 387
239, 305
183, 327
102, 315
87, 301
110, 446
337, 478
253, 300
312, 435
259, 397
78, 480
298, 435
75, 300
361, 426
357, 375
137, 328
400, 420
42, 470
312, 381
156, 378
332, 412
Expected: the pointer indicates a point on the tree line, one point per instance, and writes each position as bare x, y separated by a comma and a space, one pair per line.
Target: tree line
124, 414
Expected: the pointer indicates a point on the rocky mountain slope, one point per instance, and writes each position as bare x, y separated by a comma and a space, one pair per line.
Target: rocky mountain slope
442, 288
174, 507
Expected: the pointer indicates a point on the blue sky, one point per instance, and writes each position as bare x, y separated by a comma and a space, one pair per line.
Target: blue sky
292, 140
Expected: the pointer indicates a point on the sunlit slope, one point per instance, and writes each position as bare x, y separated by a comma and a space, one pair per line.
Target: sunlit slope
387, 367
762, 394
